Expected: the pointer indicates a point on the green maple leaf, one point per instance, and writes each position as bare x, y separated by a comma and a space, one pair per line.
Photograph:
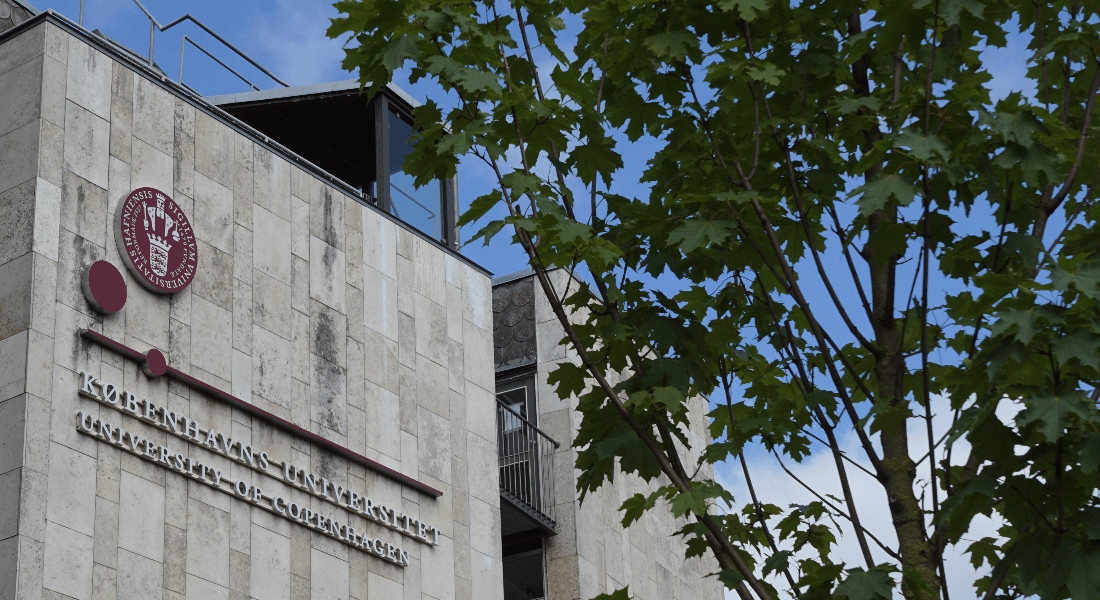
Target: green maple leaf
877, 193
1085, 279
1052, 412
1080, 344
693, 233
923, 147
867, 585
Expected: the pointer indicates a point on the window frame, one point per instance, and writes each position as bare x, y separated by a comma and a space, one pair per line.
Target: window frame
448, 189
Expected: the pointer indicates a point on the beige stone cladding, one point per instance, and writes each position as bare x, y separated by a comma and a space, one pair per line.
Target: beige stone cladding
306, 303
593, 553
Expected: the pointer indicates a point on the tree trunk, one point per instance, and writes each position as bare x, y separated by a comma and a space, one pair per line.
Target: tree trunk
899, 470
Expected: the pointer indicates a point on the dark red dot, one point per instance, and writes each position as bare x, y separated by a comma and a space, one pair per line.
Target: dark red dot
155, 363
104, 287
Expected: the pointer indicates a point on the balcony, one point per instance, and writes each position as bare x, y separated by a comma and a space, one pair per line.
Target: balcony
526, 459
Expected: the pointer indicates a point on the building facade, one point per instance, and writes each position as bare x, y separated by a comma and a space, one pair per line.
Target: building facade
241, 358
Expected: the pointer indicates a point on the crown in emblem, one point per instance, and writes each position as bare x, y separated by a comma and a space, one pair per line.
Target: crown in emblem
159, 242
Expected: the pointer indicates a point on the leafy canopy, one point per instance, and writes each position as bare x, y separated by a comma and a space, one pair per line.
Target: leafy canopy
853, 222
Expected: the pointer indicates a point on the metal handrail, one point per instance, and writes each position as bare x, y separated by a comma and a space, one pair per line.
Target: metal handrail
183, 44
528, 423
154, 25
525, 459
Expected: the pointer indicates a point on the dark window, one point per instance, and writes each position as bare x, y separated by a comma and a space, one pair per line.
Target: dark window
427, 208
523, 576
518, 394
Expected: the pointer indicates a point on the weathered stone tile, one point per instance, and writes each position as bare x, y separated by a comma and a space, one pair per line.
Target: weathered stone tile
154, 115
406, 286
183, 164
328, 577
175, 558
17, 228
460, 506
328, 395
67, 566
21, 95
244, 152
84, 208
199, 588
72, 483
356, 309
211, 330
51, 151
214, 276
122, 126
380, 314
434, 445
90, 73
142, 529
327, 275
379, 243
270, 249
242, 317
327, 334
300, 552
207, 543
270, 565
407, 395
431, 330
23, 48
122, 82
406, 340
478, 357
105, 549
108, 474
477, 299
215, 149
239, 575
271, 356
431, 273
300, 347
20, 151
213, 220
150, 168
271, 307
47, 218
104, 583
300, 237
432, 390
383, 416
272, 183
242, 196
15, 298
456, 370
326, 216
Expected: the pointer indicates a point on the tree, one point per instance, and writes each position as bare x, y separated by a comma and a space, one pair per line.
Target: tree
855, 223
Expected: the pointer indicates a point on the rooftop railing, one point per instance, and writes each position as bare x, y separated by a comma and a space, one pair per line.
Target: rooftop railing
155, 26
526, 459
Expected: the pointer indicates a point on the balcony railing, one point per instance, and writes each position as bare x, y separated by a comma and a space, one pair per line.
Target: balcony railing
526, 467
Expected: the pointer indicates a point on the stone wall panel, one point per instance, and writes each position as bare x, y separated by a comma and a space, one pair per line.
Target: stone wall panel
295, 308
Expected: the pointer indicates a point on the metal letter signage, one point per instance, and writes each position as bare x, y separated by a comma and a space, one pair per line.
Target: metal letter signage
156, 241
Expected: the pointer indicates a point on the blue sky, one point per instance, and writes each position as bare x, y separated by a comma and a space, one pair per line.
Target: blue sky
287, 37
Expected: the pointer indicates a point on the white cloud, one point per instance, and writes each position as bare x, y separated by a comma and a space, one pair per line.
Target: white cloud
292, 34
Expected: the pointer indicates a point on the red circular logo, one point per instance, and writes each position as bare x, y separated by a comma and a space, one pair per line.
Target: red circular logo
156, 241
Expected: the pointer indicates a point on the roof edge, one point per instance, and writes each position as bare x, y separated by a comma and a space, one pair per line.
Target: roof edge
215, 112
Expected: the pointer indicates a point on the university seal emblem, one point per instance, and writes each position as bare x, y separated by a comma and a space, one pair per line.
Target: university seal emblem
156, 241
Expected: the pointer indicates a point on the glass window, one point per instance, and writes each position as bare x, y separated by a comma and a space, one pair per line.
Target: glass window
523, 576
422, 208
